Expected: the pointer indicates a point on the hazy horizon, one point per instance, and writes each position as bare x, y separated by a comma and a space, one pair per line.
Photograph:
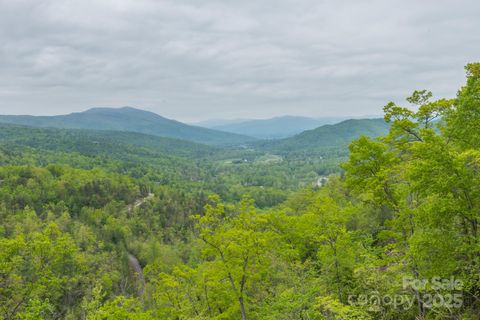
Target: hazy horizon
194, 61
232, 120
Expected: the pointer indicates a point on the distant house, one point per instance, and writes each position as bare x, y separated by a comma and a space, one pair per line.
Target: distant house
321, 181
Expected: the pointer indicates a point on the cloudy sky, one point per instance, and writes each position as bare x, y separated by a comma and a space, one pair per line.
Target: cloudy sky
195, 60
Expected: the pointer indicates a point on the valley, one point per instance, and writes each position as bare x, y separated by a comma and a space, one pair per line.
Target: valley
239, 160
119, 224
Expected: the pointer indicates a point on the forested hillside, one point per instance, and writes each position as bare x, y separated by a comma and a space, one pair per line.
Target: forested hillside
274, 128
129, 119
109, 225
326, 137
149, 159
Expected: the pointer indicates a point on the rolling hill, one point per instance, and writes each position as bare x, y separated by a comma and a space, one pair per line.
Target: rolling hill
97, 142
130, 119
274, 128
326, 137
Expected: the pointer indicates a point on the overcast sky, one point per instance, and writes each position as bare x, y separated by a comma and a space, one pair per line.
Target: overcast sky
197, 60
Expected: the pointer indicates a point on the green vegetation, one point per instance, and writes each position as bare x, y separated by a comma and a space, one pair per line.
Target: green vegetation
108, 225
326, 139
130, 119
274, 128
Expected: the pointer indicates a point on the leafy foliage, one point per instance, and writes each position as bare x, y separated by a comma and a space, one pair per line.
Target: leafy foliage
132, 120
90, 232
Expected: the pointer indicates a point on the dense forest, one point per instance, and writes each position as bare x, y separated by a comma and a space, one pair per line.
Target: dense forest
109, 225
130, 119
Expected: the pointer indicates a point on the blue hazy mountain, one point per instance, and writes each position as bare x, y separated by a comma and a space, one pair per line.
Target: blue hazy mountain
327, 136
274, 128
130, 119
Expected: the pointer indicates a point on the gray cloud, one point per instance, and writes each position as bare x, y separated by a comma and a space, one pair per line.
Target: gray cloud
193, 60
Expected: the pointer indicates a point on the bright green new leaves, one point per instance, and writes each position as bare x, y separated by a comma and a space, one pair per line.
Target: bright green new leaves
37, 272
120, 308
75, 243
371, 171
427, 179
233, 268
463, 121
236, 247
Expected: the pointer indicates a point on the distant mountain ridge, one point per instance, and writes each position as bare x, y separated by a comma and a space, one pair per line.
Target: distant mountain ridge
127, 119
132, 120
95, 142
328, 136
273, 128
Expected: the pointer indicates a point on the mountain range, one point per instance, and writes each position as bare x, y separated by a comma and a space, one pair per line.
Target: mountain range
129, 119
95, 142
149, 130
273, 128
326, 137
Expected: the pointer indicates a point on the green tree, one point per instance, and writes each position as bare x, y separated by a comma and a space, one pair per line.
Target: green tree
237, 245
